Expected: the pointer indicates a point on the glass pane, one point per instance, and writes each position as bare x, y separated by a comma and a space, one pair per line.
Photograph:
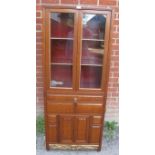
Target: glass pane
93, 26
61, 43
92, 50
62, 25
91, 76
61, 51
61, 76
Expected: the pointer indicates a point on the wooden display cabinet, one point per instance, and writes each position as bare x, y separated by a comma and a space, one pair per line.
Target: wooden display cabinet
76, 64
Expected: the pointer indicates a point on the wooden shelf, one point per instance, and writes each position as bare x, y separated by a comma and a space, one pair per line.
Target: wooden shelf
58, 38
92, 39
96, 50
93, 65
66, 64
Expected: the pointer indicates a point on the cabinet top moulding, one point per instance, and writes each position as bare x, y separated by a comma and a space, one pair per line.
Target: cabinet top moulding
82, 7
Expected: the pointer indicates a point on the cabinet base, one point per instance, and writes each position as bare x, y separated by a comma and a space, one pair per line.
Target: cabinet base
73, 147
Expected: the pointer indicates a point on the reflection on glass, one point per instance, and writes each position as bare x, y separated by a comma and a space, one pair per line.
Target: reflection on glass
61, 51
61, 76
62, 25
93, 26
62, 33
92, 50
90, 77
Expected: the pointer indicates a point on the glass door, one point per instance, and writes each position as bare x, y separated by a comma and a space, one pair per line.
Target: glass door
92, 48
62, 49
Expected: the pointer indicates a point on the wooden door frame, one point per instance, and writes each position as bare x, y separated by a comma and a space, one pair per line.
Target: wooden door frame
47, 51
106, 59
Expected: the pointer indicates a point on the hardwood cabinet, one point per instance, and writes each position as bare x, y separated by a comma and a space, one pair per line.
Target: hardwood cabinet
76, 64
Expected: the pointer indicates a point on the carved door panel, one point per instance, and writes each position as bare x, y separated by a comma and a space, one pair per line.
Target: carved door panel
81, 129
52, 133
95, 129
66, 129
52, 128
95, 134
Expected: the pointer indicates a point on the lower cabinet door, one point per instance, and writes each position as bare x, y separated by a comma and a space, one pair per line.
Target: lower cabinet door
81, 129
74, 129
52, 128
66, 127
52, 133
95, 134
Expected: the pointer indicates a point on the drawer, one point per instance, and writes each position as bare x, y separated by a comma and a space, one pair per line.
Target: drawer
60, 98
52, 119
91, 99
89, 108
77, 98
74, 103
59, 107
96, 120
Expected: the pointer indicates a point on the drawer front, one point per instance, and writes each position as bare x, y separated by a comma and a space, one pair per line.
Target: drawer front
75, 98
96, 120
90, 99
75, 104
89, 108
60, 98
60, 107
52, 119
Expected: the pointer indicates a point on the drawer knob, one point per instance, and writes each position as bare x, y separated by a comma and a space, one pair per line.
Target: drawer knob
75, 100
